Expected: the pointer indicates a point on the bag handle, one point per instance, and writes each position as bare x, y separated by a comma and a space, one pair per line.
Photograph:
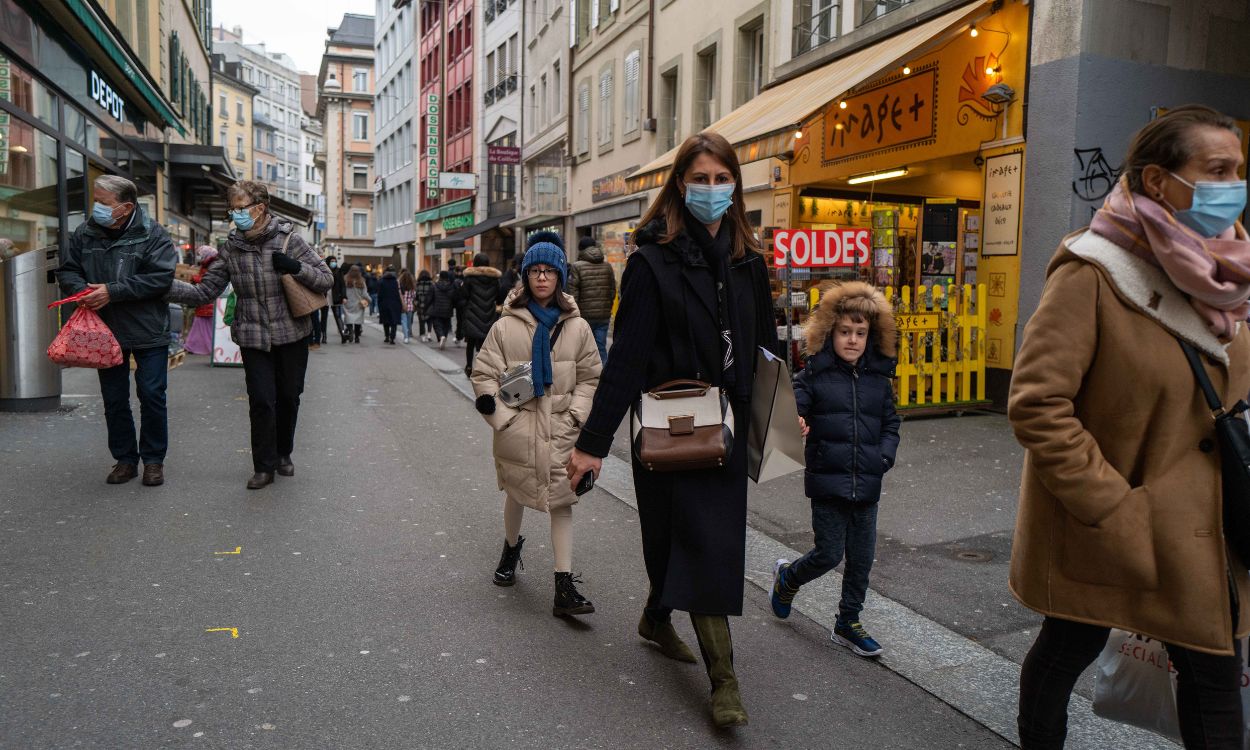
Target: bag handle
678, 389
71, 298
1204, 382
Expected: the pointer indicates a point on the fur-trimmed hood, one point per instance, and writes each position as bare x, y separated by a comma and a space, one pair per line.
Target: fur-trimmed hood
820, 323
490, 271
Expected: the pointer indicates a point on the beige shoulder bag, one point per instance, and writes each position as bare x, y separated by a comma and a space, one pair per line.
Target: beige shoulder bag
683, 425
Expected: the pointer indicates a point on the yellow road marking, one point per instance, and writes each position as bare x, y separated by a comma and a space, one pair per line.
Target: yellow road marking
234, 632
236, 551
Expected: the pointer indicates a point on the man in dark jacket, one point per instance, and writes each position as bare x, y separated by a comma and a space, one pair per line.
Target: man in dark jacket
338, 294
371, 285
127, 260
457, 280
592, 283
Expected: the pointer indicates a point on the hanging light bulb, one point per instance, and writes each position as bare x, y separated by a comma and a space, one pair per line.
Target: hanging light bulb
906, 70
842, 104
973, 31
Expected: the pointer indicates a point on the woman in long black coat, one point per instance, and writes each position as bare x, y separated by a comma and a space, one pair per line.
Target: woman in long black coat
672, 323
390, 304
478, 298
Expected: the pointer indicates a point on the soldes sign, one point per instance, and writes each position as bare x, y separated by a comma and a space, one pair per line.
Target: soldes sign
809, 248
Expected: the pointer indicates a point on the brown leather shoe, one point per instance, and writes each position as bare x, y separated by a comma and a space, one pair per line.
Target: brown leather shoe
122, 473
153, 475
285, 467
260, 479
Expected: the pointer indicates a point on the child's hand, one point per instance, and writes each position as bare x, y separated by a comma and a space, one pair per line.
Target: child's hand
803, 427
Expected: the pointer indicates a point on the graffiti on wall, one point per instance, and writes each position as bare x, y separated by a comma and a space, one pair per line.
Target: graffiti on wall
1097, 176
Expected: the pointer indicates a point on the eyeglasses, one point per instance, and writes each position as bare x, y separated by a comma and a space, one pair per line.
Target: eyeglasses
248, 207
542, 273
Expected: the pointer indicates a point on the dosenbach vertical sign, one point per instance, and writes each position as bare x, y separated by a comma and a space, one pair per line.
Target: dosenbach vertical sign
432, 147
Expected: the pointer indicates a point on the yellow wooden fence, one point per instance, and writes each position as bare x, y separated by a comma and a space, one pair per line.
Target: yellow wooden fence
941, 347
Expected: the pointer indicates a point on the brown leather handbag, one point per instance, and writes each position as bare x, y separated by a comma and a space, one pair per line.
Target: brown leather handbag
300, 300
683, 425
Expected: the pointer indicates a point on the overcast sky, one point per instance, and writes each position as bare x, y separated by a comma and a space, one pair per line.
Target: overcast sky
298, 29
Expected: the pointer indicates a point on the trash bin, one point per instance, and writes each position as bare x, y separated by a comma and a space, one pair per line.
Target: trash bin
29, 381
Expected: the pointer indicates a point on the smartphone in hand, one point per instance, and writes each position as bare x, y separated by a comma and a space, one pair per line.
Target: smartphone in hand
586, 484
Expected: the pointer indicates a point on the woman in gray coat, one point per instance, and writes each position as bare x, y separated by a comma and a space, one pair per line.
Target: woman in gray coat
358, 301
274, 343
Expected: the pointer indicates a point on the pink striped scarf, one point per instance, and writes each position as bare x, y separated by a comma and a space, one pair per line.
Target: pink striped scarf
1213, 273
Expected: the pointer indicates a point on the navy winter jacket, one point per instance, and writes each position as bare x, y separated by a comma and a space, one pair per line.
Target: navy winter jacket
854, 428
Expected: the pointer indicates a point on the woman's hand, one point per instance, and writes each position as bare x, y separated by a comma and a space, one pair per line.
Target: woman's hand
804, 427
579, 464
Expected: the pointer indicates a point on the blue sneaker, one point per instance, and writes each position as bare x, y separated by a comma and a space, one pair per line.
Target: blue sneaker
783, 592
853, 636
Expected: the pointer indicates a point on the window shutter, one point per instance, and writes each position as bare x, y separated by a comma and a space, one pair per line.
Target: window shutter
614, 5
572, 23
631, 90
594, 13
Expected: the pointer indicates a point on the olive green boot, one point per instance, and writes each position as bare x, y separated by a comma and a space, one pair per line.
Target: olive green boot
663, 635
718, 655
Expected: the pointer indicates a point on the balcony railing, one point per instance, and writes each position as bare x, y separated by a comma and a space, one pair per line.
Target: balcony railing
871, 10
820, 28
498, 92
495, 8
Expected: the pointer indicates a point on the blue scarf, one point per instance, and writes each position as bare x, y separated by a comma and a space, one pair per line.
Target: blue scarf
547, 317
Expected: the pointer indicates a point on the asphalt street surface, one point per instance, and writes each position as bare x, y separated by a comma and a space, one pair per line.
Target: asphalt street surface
360, 590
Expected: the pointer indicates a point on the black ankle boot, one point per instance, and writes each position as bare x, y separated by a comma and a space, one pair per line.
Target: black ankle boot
568, 600
505, 574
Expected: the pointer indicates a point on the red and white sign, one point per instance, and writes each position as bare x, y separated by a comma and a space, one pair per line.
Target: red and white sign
808, 248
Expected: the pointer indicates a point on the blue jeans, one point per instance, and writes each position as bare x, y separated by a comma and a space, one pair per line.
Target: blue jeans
843, 529
373, 303
151, 379
405, 320
601, 339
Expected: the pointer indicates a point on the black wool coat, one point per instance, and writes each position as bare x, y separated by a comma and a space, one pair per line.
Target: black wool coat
854, 426
442, 303
390, 304
480, 296
667, 327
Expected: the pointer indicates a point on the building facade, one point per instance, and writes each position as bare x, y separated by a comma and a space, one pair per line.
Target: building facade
345, 109
447, 115
233, 115
312, 180
395, 106
277, 113
542, 195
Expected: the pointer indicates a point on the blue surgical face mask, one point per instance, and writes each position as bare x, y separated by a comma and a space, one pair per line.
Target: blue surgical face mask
1216, 206
709, 203
102, 214
242, 218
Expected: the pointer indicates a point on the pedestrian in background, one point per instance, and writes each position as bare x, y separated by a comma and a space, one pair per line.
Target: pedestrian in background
408, 300
540, 325
357, 302
127, 260
371, 284
845, 399
442, 305
511, 277
672, 324
424, 296
274, 344
200, 339
592, 282
1119, 524
338, 296
480, 296
390, 305
457, 281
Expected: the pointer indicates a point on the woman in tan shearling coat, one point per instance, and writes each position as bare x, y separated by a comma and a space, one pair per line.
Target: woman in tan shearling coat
1120, 509
540, 324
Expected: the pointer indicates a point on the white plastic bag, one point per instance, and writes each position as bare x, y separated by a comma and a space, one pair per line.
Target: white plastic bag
1136, 684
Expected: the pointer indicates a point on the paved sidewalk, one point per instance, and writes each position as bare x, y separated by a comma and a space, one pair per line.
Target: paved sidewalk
359, 592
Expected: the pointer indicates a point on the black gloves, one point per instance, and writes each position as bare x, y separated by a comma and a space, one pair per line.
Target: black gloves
485, 404
283, 263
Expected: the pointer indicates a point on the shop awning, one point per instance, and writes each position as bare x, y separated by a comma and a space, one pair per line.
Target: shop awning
453, 241
217, 206
764, 127
535, 220
442, 212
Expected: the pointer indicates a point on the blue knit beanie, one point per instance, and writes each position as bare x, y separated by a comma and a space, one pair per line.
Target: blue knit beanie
548, 249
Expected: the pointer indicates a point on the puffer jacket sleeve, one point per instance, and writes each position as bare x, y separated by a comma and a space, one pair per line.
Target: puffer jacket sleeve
313, 273
209, 288
803, 392
1059, 345
588, 370
890, 424
488, 366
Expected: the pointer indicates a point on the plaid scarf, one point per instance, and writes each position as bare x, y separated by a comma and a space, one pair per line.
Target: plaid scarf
1214, 272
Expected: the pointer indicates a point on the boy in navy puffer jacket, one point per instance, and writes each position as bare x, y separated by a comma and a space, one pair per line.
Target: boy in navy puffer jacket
846, 410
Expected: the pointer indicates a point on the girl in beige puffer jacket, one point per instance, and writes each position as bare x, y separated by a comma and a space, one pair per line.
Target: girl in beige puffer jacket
539, 324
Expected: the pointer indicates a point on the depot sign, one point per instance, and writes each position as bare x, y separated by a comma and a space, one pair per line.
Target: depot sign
810, 248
